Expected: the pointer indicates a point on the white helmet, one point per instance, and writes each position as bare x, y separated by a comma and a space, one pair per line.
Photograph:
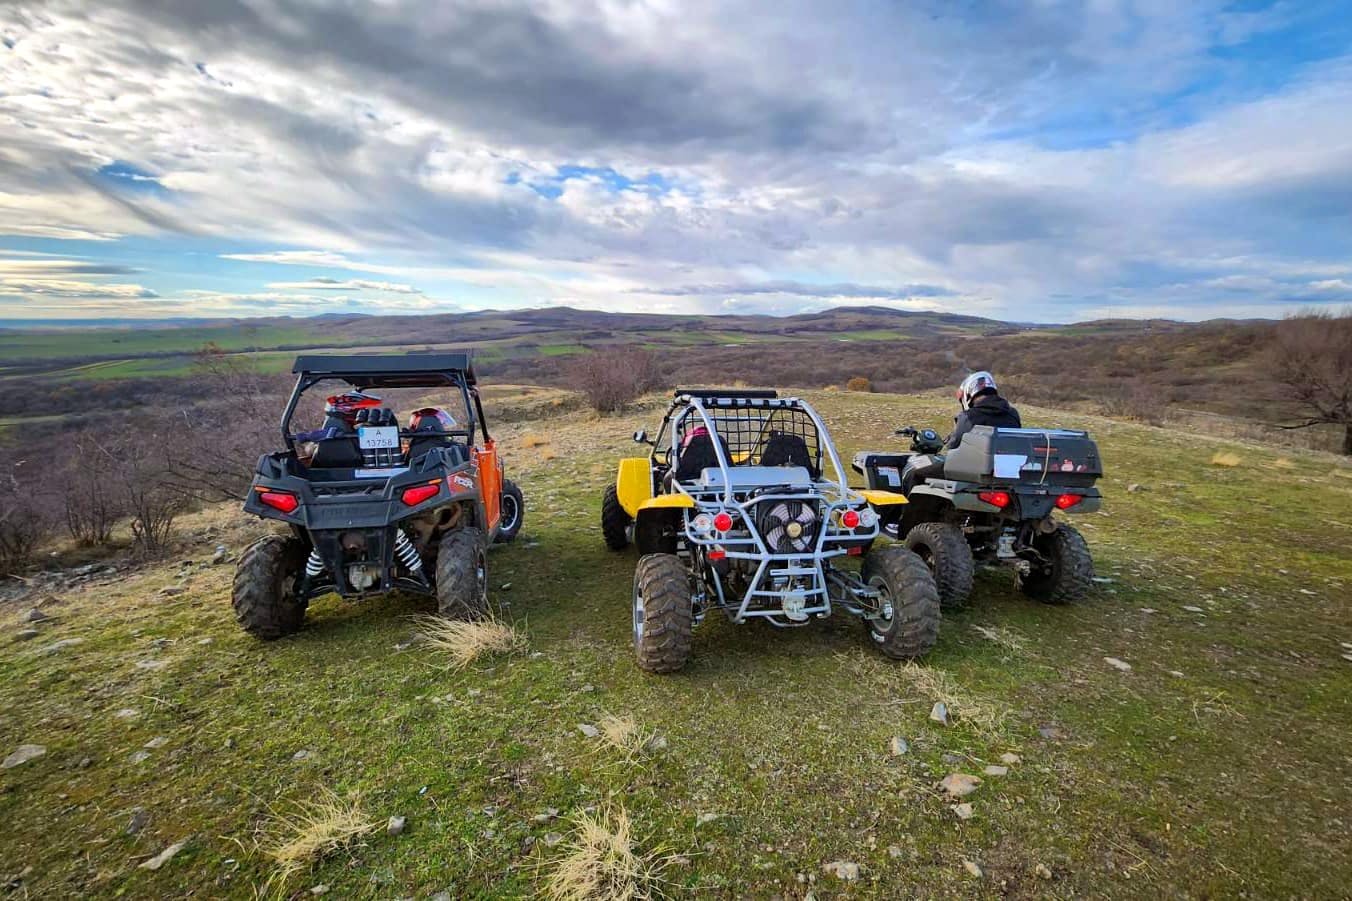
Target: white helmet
973, 385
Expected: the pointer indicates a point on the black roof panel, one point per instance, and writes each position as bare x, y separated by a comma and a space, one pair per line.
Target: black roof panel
388, 370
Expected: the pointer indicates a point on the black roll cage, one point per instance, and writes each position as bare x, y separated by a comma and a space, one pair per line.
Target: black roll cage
391, 371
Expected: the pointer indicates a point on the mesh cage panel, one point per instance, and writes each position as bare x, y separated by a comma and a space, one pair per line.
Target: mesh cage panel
749, 429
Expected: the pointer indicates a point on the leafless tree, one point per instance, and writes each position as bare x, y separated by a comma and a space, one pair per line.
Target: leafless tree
25, 519
92, 499
1311, 359
609, 379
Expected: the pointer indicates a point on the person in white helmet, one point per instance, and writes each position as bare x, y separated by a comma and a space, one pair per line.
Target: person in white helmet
981, 405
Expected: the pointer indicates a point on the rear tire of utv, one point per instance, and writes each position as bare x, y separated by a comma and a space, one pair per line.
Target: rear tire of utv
513, 512
664, 618
462, 575
615, 521
907, 584
264, 590
1071, 575
946, 552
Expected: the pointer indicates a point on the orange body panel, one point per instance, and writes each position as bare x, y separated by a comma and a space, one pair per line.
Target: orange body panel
490, 482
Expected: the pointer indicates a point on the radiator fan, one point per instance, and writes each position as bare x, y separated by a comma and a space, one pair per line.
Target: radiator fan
789, 527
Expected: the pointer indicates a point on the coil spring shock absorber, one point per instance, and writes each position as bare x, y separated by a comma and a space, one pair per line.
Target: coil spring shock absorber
407, 553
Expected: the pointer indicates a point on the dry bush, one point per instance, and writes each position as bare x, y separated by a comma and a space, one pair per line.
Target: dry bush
25, 520
600, 860
465, 642
312, 830
859, 383
151, 501
1135, 400
611, 379
1311, 358
1226, 458
92, 502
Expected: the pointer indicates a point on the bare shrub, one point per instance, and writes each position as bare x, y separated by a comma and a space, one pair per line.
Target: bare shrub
150, 499
91, 500
611, 379
25, 520
1311, 357
1126, 399
859, 383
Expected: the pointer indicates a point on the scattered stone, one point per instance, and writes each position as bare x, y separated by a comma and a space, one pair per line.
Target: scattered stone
656, 743
895, 852
404, 645
59, 645
27, 635
1009, 758
588, 687
207, 640
140, 757
994, 770
35, 616
159, 741
1050, 732
1135, 487
222, 554
164, 856
302, 754
22, 755
537, 655
139, 819
151, 664
588, 730
396, 825
1102, 580
1122, 665
86, 762
1042, 872
706, 818
963, 811
1191, 609
1149, 610
551, 839
844, 870
441, 896
939, 713
319, 889
972, 868
127, 713
899, 746
505, 586
551, 813
959, 785
171, 591
1176, 674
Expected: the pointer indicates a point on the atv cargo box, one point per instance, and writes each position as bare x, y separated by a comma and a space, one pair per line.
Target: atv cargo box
995, 456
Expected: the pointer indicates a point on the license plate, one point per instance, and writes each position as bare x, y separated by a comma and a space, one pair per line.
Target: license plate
378, 438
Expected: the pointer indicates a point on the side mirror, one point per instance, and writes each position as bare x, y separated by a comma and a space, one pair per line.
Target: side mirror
641, 437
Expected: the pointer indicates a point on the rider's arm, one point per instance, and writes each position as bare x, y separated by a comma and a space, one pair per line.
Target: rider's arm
961, 426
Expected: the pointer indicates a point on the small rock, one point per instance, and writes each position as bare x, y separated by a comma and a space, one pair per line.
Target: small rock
151, 664
127, 713
159, 741
963, 811
588, 730
588, 687
22, 755
396, 825
844, 870
139, 819
706, 818
86, 762
1149, 610
164, 856
403, 645
994, 770
1042, 872
1176, 674
171, 591
1050, 732
972, 868
551, 839
551, 813
1191, 609
656, 743
899, 746
505, 586
441, 896
302, 754
59, 645
1135, 487
1009, 759
537, 655
939, 713
959, 785
222, 554
26, 634
895, 852
140, 757
207, 640
1122, 665
35, 616
319, 889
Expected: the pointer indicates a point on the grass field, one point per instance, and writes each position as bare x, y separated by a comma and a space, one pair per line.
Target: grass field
1217, 765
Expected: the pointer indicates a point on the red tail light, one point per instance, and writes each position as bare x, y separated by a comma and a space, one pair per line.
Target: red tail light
419, 493
717, 553
723, 522
1066, 501
995, 498
850, 519
279, 500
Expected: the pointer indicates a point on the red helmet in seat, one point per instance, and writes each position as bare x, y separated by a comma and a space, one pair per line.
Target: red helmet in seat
431, 419
346, 405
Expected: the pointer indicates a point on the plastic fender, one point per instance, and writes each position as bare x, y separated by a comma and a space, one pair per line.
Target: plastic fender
879, 498
634, 483
667, 502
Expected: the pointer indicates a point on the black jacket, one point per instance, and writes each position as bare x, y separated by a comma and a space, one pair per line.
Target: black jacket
988, 409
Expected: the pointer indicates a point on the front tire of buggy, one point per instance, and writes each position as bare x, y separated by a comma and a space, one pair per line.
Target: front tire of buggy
945, 550
907, 585
615, 521
1069, 575
462, 575
264, 592
513, 512
664, 617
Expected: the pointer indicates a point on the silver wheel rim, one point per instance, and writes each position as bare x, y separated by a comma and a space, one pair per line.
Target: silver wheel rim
638, 616
509, 505
481, 575
876, 627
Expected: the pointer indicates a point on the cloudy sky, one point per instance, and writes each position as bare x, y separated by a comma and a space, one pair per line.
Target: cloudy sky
1029, 160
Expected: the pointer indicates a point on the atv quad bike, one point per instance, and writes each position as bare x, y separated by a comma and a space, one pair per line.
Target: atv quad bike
731, 511
373, 507
994, 503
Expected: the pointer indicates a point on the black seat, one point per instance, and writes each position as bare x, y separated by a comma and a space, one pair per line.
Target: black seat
787, 450
698, 456
919, 468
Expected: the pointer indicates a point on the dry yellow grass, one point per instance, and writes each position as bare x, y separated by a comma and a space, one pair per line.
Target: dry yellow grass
1283, 463
530, 439
1225, 458
465, 642
625, 734
965, 708
312, 830
600, 862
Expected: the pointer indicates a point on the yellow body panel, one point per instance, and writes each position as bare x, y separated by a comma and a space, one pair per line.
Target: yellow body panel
882, 498
667, 502
634, 484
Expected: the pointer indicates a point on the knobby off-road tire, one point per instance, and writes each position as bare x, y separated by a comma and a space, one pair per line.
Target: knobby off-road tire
513, 512
1070, 576
462, 575
946, 552
264, 592
614, 520
663, 616
907, 584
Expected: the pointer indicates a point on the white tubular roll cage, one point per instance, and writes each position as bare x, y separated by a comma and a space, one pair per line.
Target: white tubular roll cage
806, 566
